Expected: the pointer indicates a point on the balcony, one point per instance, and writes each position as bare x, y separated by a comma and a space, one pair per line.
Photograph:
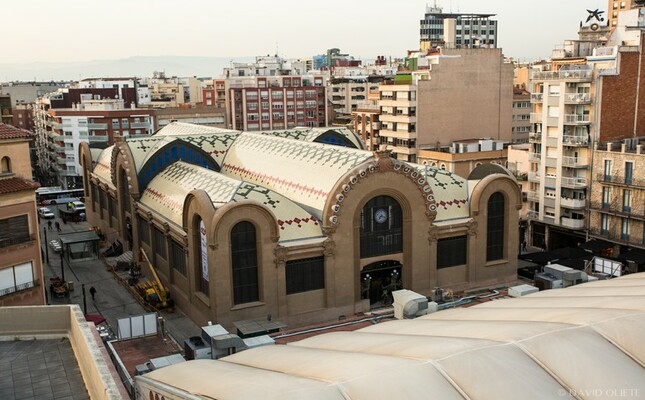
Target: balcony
533, 215
575, 141
572, 204
97, 127
534, 177
582, 75
536, 118
536, 97
621, 180
140, 125
577, 98
95, 139
535, 137
535, 157
574, 183
572, 223
574, 162
19, 288
576, 119
533, 196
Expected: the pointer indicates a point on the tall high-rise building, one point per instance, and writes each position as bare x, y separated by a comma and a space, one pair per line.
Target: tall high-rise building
616, 6
439, 29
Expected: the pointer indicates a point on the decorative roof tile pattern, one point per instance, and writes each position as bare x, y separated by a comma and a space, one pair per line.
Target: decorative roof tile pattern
345, 132
103, 167
15, 184
450, 192
303, 172
311, 134
182, 128
168, 190
8, 132
215, 144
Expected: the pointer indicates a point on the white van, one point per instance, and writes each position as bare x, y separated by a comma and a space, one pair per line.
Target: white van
78, 206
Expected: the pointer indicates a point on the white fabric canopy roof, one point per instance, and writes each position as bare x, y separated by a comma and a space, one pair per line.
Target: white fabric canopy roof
582, 342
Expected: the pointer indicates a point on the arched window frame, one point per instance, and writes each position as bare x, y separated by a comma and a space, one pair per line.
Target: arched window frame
495, 226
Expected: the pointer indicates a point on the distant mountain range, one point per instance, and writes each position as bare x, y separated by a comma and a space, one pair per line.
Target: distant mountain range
139, 66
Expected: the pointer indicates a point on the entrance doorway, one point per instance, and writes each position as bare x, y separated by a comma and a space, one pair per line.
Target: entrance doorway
379, 280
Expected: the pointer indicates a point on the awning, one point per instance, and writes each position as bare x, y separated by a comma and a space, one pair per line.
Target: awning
79, 237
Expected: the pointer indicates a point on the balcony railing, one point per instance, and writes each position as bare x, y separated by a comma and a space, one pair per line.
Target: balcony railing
535, 156
97, 127
140, 125
19, 288
533, 215
534, 177
619, 210
575, 204
570, 140
535, 137
574, 183
621, 180
576, 119
572, 223
532, 196
93, 139
536, 97
554, 75
574, 162
577, 98
536, 118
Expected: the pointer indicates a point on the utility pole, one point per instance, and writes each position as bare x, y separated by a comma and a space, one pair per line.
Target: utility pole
46, 248
62, 267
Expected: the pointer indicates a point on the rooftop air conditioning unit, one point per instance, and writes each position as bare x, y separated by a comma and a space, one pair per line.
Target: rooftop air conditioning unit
409, 305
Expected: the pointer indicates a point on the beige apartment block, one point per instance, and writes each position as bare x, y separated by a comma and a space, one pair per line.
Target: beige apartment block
398, 106
617, 206
469, 94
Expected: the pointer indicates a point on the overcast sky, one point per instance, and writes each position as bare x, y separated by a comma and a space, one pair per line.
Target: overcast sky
75, 30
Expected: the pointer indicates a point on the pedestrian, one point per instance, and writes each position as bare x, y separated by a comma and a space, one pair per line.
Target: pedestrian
49, 224
57, 225
524, 245
92, 292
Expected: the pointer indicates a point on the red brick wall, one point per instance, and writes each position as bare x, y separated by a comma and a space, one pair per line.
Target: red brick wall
619, 97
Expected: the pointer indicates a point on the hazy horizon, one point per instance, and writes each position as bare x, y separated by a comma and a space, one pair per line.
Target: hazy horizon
89, 33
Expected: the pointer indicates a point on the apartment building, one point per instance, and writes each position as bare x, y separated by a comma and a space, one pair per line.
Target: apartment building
61, 130
617, 204
193, 114
457, 30
366, 121
214, 93
23, 117
6, 116
580, 101
29, 92
21, 269
398, 117
616, 6
277, 102
521, 124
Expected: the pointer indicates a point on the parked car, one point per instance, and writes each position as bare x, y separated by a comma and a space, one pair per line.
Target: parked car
77, 206
46, 213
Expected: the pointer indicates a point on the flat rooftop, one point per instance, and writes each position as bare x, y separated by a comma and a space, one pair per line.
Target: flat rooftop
40, 369
133, 352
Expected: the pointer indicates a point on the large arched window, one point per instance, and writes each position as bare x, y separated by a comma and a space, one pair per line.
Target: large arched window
201, 248
381, 227
495, 228
6, 165
244, 255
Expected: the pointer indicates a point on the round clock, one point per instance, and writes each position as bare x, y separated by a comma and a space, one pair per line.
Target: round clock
380, 215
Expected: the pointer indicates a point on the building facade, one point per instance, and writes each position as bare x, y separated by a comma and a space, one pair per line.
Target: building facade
6, 116
21, 268
61, 130
192, 114
398, 118
277, 102
463, 156
439, 29
244, 225
617, 203
521, 125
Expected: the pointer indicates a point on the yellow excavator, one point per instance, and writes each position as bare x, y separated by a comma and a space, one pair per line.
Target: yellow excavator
153, 291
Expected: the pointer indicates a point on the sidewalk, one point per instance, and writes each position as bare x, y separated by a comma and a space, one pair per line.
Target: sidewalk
112, 300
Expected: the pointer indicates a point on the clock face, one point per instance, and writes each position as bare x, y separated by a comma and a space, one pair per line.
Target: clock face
380, 215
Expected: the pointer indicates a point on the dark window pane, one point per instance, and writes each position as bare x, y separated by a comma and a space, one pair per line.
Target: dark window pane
495, 228
305, 275
178, 258
452, 251
245, 264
